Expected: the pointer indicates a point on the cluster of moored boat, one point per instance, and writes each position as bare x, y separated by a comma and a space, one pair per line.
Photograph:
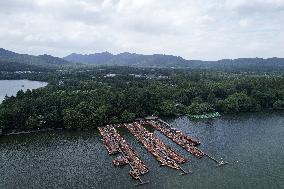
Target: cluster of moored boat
114, 144
178, 137
164, 154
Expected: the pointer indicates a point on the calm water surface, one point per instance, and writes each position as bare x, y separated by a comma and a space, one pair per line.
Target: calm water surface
252, 144
11, 87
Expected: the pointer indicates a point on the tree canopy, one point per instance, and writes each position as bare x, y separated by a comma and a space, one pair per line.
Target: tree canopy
87, 98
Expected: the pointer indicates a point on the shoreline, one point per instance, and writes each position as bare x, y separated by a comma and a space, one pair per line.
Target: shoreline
19, 132
31, 131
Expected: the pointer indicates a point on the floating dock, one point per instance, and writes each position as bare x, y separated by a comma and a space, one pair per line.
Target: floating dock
114, 144
163, 154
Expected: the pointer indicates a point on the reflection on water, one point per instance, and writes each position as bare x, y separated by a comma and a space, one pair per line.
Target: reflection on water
11, 87
252, 144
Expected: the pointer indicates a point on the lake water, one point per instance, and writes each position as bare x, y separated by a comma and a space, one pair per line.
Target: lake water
11, 87
252, 144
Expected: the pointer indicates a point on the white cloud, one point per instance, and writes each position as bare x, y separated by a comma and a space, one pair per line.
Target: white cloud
199, 29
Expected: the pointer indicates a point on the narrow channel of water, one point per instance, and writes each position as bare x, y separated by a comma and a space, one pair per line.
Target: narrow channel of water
252, 144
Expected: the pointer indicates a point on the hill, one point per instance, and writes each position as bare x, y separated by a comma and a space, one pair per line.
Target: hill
11, 61
129, 59
170, 61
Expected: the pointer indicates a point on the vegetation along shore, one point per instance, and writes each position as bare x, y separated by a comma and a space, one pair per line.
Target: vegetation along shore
90, 97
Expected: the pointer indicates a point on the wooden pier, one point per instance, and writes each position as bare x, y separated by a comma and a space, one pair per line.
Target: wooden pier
219, 163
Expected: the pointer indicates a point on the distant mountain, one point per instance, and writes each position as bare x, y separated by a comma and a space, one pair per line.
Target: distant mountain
30, 62
13, 61
242, 64
129, 59
169, 61
97, 58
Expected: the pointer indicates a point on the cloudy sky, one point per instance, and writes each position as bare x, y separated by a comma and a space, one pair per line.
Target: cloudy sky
193, 29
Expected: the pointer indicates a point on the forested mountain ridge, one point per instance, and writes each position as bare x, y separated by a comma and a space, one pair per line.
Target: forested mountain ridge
242, 64
168, 61
11, 61
129, 59
97, 58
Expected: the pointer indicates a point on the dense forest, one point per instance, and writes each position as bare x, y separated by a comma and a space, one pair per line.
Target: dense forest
87, 98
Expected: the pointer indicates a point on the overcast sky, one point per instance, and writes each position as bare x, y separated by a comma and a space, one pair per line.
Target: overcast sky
193, 29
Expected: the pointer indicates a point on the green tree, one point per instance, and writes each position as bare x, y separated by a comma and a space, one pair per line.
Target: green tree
237, 102
211, 99
32, 123
72, 119
168, 108
278, 105
127, 116
199, 108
